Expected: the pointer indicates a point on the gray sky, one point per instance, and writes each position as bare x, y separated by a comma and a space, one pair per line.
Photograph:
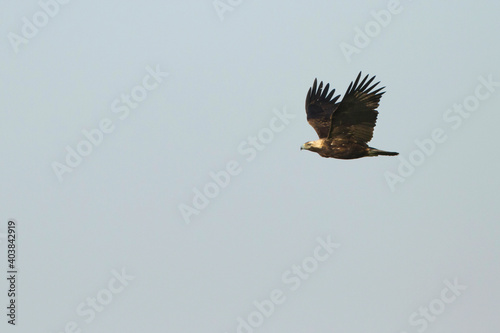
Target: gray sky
151, 162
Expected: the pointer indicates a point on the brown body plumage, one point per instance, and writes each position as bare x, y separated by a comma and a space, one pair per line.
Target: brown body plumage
344, 128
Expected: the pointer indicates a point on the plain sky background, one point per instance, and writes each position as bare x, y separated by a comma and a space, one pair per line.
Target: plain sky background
119, 209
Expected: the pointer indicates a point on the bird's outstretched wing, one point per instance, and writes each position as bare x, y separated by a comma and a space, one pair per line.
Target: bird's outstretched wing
319, 107
356, 114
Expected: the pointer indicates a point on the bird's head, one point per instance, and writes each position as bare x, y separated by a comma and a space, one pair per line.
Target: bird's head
311, 145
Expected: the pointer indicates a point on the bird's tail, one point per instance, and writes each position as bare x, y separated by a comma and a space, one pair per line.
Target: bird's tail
377, 152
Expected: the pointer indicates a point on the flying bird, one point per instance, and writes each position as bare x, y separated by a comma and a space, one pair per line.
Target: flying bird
344, 128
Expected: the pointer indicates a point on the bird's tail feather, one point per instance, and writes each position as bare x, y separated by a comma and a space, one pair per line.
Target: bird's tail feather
377, 152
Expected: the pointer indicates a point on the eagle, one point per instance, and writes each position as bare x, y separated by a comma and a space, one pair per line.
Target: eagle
344, 128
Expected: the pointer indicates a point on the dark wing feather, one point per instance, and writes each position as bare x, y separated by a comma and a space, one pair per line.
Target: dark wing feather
319, 107
356, 115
